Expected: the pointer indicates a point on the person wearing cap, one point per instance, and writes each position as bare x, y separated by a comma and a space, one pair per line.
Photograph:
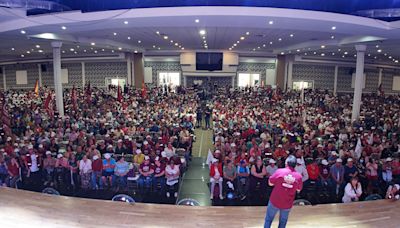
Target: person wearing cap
138, 159
286, 182
279, 153
146, 171
172, 174
352, 191
49, 164
243, 173
216, 174
324, 170
387, 173
159, 176
61, 170
372, 174
108, 170
350, 170
97, 169
120, 172
3, 171
120, 149
337, 177
313, 171
393, 192
271, 167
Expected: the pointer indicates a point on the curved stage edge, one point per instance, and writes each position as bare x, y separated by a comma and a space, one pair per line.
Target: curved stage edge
20, 208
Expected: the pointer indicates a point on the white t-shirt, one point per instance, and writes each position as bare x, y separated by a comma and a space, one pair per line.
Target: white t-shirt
34, 166
85, 167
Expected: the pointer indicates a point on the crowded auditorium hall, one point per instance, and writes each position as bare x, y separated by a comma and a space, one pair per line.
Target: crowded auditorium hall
199, 113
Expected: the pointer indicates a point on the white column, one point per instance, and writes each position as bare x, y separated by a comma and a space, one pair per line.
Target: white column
57, 76
4, 78
335, 80
133, 71
358, 81
83, 74
290, 75
285, 78
129, 69
233, 81
380, 76
184, 80
40, 74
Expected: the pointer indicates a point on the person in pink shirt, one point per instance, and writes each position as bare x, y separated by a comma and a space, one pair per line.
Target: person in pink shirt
286, 182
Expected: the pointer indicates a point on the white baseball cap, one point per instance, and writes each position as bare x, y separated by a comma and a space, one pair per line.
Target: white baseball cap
107, 156
272, 161
48, 152
324, 162
339, 160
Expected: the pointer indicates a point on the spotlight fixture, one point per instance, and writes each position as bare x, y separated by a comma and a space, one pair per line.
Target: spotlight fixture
271, 22
202, 32
333, 28
126, 22
291, 35
93, 43
242, 37
63, 27
23, 32
197, 20
247, 33
37, 46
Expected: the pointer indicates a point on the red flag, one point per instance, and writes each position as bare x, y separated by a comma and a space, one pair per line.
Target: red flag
119, 94
144, 90
380, 90
48, 104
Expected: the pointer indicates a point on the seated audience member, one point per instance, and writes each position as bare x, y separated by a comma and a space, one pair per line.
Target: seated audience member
146, 171
258, 176
313, 171
62, 170
229, 175
172, 174
324, 174
13, 173
243, 173
300, 168
393, 192
120, 172
337, 177
138, 159
159, 176
49, 164
216, 177
350, 170
85, 171
352, 191
387, 171
372, 174
97, 170
271, 167
108, 170
72, 182
3, 171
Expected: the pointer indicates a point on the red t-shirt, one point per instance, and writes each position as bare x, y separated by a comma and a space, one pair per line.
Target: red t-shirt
13, 169
97, 165
159, 169
286, 182
313, 171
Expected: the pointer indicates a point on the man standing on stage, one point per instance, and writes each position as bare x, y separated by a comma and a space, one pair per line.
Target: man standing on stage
286, 182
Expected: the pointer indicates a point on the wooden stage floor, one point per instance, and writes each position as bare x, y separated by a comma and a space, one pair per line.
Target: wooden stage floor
34, 210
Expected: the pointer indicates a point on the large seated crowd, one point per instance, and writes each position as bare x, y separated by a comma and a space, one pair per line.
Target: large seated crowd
255, 129
105, 141
102, 142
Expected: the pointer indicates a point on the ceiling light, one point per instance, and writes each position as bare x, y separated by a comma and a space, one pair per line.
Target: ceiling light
282, 53
377, 46
270, 43
333, 53
390, 57
22, 56
95, 51
230, 49
345, 52
114, 33
37, 46
154, 46
315, 52
176, 44
322, 54
237, 41
298, 50
280, 39
63, 27
204, 37
322, 46
171, 41
102, 49
126, 22
165, 37
120, 48
183, 48
129, 37
12, 49
271, 22
202, 32
397, 61
75, 52
235, 45
247, 33
111, 51
242, 37
139, 41
158, 32
159, 48
72, 49
332, 37
92, 43
63, 52
23, 31
291, 35
40, 51
204, 41
197, 20
264, 45
84, 50
28, 52
333, 28
355, 55
379, 50
135, 51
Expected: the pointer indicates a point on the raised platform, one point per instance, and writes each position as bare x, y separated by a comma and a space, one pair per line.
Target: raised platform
27, 209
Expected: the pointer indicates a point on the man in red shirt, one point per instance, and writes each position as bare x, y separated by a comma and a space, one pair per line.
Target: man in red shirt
286, 182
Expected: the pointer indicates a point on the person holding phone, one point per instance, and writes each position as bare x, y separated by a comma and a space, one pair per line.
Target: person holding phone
352, 191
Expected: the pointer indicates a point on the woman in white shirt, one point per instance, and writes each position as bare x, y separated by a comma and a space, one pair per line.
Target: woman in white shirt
85, 171
352, 191
172, 173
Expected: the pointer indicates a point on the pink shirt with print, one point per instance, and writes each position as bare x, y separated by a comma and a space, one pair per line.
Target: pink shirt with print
286, 182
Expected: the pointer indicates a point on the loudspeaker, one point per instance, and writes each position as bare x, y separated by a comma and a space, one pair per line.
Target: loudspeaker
43, 67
